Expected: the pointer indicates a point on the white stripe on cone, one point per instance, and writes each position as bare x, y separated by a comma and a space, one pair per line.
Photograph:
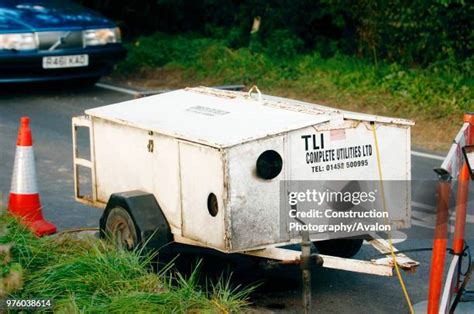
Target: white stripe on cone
24, 173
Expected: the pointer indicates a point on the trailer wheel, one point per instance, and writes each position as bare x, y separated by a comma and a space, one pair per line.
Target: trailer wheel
120, 229
339, 247
135, 219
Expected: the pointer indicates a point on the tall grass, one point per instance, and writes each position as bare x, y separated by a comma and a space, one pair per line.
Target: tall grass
86, 275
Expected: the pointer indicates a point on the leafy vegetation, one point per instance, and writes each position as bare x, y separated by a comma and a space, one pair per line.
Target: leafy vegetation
85, 275
437, 91
407, 32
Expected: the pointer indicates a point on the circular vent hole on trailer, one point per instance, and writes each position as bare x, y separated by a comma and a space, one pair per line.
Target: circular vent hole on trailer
212, 205
269, 165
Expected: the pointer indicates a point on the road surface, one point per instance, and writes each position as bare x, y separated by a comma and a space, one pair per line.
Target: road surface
334, 291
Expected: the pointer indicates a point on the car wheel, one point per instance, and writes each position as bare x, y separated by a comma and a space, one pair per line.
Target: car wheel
120, 229
339, 247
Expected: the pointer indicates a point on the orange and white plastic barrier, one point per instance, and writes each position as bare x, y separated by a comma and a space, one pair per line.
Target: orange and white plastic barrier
24, 199
453, 167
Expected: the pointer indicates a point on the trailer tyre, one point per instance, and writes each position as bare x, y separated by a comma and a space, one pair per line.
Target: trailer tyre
339, 247
120, 229
135, 219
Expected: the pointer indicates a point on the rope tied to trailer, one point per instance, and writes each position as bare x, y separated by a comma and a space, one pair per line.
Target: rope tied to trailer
254, 89
392, 252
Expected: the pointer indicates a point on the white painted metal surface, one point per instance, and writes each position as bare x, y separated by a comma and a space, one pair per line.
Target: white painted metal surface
201, 173
183, 145
250, 195
358, 266
83, 122
254, 203
205, 119
380, 267
221, 118
383, 246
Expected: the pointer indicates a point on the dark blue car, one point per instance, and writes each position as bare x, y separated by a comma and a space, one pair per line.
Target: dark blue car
45, 40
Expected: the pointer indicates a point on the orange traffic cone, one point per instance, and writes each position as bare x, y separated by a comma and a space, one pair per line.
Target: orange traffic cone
24, 197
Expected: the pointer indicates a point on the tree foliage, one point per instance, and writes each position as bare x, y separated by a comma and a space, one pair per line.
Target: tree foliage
419, 32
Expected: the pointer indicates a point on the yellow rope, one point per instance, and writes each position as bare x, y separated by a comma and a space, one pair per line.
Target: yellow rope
394, 257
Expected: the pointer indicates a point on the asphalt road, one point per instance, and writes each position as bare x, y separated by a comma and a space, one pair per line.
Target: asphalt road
334, 291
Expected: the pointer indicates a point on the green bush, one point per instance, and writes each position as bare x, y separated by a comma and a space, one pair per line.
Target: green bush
237, 37
283, 44
160, 49
408, 32
414, 32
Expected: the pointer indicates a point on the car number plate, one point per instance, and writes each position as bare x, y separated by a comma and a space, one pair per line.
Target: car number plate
58, 62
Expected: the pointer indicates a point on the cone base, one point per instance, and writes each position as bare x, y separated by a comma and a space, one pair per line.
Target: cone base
28, 208
42, 227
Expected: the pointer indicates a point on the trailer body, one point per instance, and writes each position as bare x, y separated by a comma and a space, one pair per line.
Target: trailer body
196, 149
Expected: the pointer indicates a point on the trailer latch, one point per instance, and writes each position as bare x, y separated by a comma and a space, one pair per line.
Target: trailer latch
150, 146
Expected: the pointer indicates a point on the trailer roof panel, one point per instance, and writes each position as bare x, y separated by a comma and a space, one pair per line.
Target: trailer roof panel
221, 118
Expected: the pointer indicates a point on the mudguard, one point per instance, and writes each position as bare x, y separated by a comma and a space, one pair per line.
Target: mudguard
153, 230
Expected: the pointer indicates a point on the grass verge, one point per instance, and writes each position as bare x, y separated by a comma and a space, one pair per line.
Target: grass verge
435, 96
87, 275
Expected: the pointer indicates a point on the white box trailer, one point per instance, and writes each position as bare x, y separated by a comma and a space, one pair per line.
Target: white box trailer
214, 160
